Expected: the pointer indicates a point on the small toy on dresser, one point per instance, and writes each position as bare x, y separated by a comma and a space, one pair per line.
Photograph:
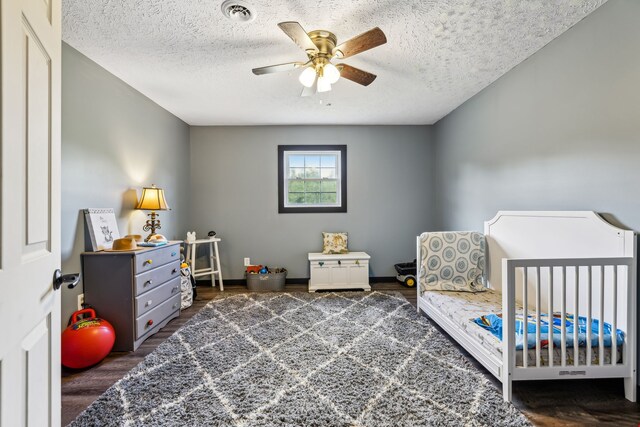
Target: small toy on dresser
155, 240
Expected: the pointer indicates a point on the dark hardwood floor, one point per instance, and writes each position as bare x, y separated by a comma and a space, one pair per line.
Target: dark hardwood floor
546, 403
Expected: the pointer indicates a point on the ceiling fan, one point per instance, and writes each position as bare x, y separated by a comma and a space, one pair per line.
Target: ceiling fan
321, 46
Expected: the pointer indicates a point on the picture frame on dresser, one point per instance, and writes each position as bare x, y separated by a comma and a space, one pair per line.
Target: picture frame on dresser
102, 227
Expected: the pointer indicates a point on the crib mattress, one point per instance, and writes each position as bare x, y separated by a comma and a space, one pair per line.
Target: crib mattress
462, 307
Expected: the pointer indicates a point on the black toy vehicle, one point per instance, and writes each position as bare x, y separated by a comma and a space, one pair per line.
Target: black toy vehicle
406, 273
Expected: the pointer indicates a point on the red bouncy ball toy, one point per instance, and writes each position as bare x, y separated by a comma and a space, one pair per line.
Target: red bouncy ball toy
86, 341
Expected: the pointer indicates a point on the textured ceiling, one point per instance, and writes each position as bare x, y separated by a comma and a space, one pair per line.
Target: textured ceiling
193, 61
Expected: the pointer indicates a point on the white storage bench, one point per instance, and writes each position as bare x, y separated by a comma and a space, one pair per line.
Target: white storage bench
341, 271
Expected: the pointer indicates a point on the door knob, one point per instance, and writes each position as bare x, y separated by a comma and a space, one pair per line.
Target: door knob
70, 279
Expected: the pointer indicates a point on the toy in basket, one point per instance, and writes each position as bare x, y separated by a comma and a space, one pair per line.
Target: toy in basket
262, 278
406, 273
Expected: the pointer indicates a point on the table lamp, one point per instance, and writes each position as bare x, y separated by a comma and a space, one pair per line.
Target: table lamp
152, 199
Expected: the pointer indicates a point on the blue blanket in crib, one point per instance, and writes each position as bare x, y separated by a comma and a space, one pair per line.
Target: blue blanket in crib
493, 323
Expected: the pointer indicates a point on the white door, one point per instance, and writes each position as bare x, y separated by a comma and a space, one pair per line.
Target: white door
30, 213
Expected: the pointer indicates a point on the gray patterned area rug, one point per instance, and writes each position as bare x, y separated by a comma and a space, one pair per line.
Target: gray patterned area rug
300, 359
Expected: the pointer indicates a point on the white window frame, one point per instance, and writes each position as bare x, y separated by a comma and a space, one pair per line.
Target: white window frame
284, 154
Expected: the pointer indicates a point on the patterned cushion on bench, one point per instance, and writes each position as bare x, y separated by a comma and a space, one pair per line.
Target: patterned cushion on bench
334, 243
452, 261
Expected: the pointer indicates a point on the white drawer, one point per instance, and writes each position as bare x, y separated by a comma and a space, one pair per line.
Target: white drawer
340, 263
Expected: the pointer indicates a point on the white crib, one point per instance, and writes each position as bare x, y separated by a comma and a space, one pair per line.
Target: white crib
554, 262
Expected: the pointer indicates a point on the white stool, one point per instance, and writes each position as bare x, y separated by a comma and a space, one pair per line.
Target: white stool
213, 254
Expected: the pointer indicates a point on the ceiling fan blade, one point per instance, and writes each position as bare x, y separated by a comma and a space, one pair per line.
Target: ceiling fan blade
299, 36
277, 68
356, 75
364, 41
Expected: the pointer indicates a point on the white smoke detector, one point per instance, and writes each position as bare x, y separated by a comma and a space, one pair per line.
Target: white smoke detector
238, 11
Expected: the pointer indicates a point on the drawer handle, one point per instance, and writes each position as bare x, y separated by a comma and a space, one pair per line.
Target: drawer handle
174, 271
149, 261
174, 253
321, 263
148, 282
149, 322
148, 303
175, 305
175, 288
357, 262
339, 262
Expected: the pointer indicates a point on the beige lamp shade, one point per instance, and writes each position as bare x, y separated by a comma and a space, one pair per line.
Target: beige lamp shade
152, 199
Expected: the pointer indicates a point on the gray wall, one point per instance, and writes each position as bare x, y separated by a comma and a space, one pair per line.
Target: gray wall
114, 141
234, 192
561, 131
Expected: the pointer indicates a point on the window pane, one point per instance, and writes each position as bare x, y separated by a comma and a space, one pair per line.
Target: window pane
312, 186
312, 172
312, 161
296, 173
296, 197
312, 198
328, 172
328, 197
296, 161
296, 186
312, 177
330, 186
328, 161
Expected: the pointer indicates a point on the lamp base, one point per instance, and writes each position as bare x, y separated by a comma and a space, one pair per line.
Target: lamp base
153, 224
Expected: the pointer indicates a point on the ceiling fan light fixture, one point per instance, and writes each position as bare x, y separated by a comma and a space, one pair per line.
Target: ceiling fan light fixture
331, 73
324, 85
321, 46
308, 76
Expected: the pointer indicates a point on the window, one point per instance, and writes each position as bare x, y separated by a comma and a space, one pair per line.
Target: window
312, 178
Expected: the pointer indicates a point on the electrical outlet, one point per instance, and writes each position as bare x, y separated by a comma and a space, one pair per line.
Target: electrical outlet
247, 262
80, 301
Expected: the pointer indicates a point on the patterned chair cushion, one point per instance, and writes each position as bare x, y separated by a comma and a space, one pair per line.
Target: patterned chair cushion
452, 261
334, 243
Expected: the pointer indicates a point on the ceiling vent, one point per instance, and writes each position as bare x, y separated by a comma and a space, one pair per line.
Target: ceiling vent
238, 11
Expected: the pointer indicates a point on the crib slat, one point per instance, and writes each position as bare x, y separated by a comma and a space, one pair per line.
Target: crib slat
594, 312
563, 314
576, 315
614, 323
525, 341
538, 309
550, 318
601, 321
589, 302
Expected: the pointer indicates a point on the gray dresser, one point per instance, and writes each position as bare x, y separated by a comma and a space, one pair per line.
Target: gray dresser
138, 292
